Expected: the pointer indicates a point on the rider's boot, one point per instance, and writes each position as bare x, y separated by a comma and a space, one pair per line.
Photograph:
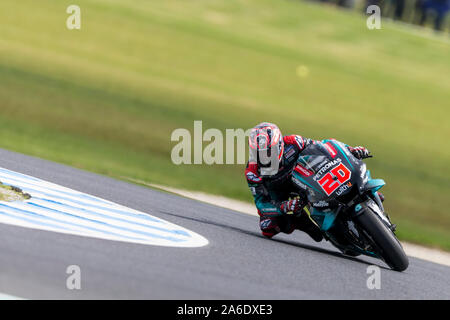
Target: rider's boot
304, 223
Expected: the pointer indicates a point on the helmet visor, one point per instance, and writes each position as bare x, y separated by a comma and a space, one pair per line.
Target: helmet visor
266, 149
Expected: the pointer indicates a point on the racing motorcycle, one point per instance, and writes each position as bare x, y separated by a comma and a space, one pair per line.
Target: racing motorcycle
344, 202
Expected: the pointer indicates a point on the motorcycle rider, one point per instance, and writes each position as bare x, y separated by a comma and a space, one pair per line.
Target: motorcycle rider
272, 158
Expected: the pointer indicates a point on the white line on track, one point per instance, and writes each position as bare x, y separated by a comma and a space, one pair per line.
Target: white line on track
59, 209
4, 296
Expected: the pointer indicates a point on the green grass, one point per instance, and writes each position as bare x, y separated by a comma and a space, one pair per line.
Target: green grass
107, 97
9, 193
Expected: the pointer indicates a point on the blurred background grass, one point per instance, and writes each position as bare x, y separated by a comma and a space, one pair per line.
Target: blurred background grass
106, 98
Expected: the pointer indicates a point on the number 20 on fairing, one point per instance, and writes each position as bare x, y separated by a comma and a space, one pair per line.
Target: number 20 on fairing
335, 178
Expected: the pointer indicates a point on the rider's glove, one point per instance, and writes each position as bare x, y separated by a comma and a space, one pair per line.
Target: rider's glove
360, 152
293, 205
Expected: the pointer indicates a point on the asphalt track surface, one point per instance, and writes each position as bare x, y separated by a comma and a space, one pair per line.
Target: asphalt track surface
238, 263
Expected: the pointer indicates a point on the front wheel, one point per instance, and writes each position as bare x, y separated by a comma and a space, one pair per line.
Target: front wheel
384, 239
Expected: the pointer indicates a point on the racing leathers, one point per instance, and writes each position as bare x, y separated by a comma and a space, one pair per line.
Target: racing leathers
273, 194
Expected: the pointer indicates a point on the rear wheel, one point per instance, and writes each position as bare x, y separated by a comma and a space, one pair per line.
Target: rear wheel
384, 239
351, 253
339, 232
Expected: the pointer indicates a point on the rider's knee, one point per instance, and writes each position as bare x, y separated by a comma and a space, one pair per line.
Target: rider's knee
269, 227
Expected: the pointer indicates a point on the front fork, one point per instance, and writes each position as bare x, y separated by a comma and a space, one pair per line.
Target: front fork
378, 200
376, 205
